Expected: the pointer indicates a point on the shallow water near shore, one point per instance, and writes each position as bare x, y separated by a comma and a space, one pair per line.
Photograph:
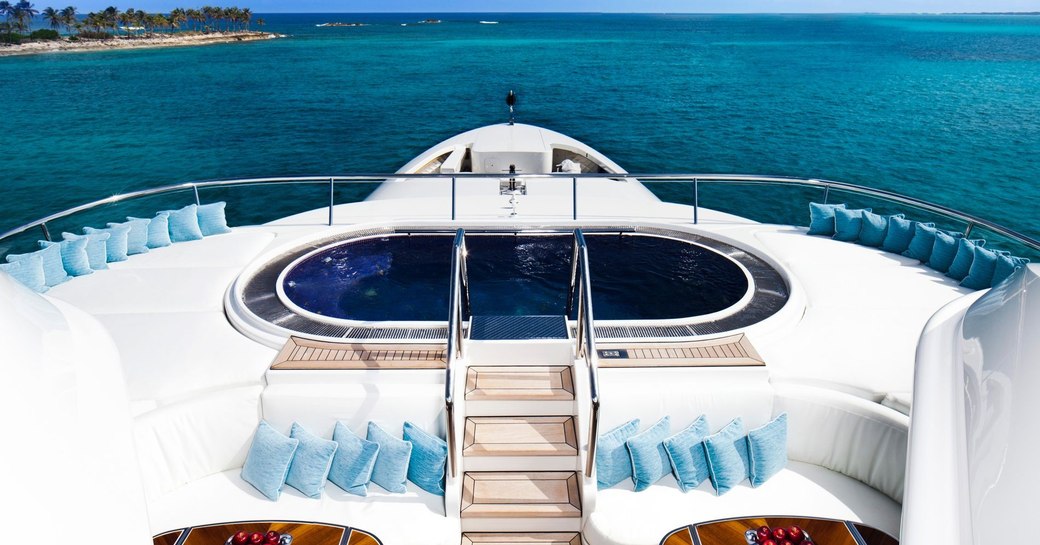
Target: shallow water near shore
945, 108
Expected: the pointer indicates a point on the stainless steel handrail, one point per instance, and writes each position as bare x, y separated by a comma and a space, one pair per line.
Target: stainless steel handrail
587, 342
459, 286
970, 220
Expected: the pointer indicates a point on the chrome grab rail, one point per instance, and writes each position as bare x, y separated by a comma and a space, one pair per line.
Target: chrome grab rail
458, 297
697, 180
587, 339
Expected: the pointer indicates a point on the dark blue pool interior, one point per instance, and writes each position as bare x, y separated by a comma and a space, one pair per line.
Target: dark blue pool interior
406, 277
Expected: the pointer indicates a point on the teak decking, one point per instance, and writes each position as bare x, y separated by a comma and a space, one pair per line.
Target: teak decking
732, 351
303, 354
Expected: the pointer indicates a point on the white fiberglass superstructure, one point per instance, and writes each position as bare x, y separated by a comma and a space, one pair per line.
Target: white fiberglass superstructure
171, 358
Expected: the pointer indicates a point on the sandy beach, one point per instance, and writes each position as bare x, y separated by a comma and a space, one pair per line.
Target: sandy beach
122, 42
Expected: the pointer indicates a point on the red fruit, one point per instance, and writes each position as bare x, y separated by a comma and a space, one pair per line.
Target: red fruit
795, 534
786, 542
767, 542
272, 535
256, 538
763, 534
272, 540
779, 534
240, 538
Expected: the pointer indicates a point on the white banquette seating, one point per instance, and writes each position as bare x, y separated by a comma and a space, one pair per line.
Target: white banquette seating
192, 458
846, 455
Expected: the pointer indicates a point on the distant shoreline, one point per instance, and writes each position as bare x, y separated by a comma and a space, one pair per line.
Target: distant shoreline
64, 45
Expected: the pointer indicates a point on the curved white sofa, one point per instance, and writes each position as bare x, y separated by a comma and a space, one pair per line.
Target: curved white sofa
847, 455
192, 454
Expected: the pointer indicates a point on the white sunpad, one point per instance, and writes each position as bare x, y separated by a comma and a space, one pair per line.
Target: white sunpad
234, 249
148, 290
625, 517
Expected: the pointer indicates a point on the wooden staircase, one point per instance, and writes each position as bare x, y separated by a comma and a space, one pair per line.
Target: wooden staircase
521, 482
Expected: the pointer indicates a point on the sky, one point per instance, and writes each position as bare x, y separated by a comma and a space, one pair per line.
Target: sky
611, 6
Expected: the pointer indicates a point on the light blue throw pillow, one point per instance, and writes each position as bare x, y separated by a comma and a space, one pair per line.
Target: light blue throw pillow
898, 235
73, 256
115, 246
391, 469
965, 256
310, 465
920, 247
1006, 266
944, 250
212, 220
847, 223
136, 236
97, 248
428, 460
767, 450
983, 267
821, 218
686, 454
727, 455
28, 271
354, 460
184, 224
158, 230
649, 459
268, 461
872, 232
53, 269
613, 464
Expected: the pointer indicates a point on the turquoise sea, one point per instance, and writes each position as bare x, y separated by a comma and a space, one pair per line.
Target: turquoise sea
945, 108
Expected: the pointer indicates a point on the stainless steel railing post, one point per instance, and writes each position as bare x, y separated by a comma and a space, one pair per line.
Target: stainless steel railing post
195, 190
332, 198
696, 199
574, 198
453, 198
46, 232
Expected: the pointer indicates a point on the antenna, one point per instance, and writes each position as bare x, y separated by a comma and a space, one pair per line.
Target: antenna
511, 101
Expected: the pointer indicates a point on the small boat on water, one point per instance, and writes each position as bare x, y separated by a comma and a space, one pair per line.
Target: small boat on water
489, 22
341, 24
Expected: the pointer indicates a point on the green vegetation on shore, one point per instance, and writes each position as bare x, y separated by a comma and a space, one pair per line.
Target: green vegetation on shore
112, 22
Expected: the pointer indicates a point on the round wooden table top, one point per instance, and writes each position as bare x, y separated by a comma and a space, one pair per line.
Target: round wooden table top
303, 533
821, 531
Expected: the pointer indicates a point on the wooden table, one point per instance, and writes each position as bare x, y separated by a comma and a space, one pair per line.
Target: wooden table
822, 531
303, 533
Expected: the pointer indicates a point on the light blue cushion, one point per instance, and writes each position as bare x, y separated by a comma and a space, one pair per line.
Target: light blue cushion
965, 256
898, 235
428, 460
1006, 266
767, 450
391, 469
73, 256
267, 463
920, 247
136, 237
649, 459
28, 271
613, 463
686, 454
872, 232
184, 224
158, 230
115, 246
354, 460
310, 465
847, 223
212, 220
727, 455
821, 218
983, 266
53, 269
97, 248
944, 250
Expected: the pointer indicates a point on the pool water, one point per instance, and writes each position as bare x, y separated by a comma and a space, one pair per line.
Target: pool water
406, 277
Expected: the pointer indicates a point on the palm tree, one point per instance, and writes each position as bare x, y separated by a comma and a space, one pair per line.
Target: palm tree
7, 10
53, 17
196, 17
68, 18
178, 17
260, 22
24, 12
111, 16
127, 19
246, 16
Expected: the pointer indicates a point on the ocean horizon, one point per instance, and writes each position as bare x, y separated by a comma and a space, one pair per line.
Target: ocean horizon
940, 107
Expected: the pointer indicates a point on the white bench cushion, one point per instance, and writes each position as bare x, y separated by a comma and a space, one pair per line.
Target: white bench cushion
415, 517
625, 517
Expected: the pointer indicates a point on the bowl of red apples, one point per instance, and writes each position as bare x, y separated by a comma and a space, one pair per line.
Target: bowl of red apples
764, 535
256, 538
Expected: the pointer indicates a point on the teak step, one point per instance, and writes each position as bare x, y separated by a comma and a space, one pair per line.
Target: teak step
534, 383
522, 538
533, 494
520, 436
